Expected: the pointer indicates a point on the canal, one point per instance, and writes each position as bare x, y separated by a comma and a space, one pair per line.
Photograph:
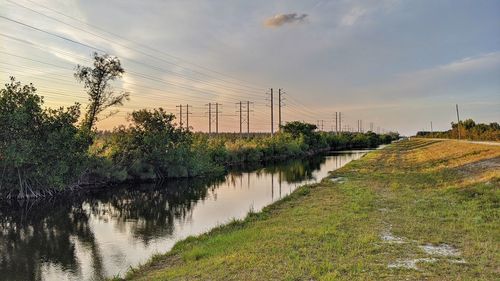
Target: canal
101, 234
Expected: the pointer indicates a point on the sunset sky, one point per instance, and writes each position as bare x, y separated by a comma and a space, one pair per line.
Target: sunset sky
396, 64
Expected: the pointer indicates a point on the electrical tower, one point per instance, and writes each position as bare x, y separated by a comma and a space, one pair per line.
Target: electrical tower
244, 107
210, 120
280, 105
181, 114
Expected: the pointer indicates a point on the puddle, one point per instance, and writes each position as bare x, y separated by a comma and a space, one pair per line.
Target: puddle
444, 250
410, 264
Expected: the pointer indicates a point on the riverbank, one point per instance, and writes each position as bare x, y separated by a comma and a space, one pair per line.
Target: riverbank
129, 157
414, 210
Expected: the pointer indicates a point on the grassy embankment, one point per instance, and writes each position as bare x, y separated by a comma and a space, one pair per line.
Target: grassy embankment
415, 210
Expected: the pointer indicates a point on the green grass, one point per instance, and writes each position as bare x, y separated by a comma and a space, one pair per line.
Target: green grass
426, 192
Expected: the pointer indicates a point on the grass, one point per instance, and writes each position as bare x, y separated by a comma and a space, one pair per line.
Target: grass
424, 192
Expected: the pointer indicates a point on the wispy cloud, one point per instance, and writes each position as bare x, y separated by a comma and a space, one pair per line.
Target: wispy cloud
281, 19
352, 16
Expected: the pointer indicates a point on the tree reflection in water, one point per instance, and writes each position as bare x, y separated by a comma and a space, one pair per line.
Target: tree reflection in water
43, 235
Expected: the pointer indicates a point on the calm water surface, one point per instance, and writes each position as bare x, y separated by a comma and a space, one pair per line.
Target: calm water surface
99, 235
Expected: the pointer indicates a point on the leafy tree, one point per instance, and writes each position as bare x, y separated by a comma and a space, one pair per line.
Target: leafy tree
297, 128
153, 147
40, 149
468, 124
97, 80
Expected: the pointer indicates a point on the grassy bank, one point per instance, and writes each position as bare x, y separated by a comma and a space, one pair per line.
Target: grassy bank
415, 210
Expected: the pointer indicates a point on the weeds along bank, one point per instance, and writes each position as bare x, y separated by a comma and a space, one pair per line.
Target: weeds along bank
44, 150
468, 129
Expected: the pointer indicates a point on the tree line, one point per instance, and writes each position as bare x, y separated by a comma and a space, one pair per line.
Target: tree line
44, 150
467, 129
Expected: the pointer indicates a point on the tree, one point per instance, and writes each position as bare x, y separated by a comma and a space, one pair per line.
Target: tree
97, 82
40, 149
297, 128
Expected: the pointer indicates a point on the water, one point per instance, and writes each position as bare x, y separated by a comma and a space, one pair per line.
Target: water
93, 236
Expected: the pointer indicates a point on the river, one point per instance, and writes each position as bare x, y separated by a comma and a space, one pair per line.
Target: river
101, 234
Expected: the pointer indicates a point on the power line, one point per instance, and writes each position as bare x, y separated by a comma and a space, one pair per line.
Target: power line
136, 43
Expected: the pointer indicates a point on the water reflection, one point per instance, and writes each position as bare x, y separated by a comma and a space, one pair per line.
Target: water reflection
99, 234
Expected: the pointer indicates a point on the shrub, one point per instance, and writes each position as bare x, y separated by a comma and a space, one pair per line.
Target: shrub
41, 149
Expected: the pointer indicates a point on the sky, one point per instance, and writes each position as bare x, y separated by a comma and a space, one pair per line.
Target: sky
394, 64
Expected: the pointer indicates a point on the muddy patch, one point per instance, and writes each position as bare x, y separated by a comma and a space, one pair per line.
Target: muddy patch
486, 164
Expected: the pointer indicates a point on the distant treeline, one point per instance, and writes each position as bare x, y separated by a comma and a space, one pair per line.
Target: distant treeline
45, 150
468, 130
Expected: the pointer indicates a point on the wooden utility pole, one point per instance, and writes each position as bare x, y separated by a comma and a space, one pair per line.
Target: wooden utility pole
279, 109
248, 119
272, 113
187, 116
241, 129
336, 122
180, 114
241, 117
458, 124
216, 117
210, 118
432, 132
340, 121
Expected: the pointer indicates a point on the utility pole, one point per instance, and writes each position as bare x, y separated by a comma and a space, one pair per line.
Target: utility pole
210, 118
340, 121
180, 113
319, 124
216, 117
272, 113
432, 132
241, 117
241, 131
280, 104
336, 123
248, 119
187, 116
458, 124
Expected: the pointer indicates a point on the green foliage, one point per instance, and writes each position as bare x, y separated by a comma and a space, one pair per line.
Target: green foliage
468, 130
40, 148
43, 150
96, 80
152, 147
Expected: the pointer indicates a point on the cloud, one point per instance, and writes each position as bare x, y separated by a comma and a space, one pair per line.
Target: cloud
353, 15
281, 19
